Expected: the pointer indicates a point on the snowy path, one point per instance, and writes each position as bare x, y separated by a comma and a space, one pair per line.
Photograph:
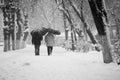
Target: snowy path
62, 65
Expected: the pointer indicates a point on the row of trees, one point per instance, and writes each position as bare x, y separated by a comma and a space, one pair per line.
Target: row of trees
74, 11
73, 8
15, 19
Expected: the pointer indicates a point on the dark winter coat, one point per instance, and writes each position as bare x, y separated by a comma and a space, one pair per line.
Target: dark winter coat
36, 37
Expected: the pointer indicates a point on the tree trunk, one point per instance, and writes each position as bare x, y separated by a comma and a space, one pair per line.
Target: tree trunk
66, 31
64, 19
19, 29
91, 36
9, 45
18, 36
65, 27
85, 33
89, 33
99, 13
66, 34
72, 40
13, 36
75, 37
5, 33
12, 29
106, 49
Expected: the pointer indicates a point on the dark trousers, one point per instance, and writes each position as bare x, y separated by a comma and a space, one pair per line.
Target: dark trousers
37, 49
49, 49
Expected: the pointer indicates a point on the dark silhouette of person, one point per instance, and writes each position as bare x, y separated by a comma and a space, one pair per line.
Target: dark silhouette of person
37, 37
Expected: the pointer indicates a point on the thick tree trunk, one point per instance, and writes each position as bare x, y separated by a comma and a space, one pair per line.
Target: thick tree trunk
13, 31
5, 33
9, 45
107, 58
98, 12
13, 36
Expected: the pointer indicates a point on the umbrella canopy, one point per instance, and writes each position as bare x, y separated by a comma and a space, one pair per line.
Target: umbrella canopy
42, 31
55, 32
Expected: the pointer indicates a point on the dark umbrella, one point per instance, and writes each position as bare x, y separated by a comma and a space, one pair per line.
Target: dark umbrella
55, 32
42, 31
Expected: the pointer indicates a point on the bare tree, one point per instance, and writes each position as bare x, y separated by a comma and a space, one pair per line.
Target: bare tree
67, 14
82, 18
100, 17
14, 12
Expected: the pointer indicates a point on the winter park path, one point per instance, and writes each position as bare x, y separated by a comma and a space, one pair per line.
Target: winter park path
62, 65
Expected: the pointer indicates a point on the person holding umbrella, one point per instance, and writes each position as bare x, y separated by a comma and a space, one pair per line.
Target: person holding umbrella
50, 41
37, 37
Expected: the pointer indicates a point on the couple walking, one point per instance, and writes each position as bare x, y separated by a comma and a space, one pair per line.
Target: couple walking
49, 40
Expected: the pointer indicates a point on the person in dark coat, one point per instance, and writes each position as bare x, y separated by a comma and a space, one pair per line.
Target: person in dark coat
49, 40
36, 40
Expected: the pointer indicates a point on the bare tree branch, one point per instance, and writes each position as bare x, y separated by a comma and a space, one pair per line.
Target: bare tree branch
44, 14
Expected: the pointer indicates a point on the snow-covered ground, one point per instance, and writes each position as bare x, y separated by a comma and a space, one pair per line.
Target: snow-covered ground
62, 65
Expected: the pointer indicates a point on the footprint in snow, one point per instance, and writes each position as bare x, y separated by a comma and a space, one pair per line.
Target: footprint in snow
26, 64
